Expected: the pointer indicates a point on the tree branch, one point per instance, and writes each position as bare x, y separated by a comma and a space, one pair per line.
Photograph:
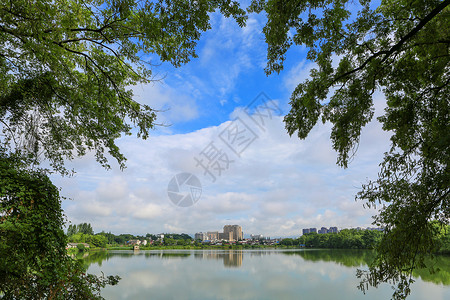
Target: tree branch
400, 43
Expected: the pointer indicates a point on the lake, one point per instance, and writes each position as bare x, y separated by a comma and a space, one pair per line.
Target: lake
252, 274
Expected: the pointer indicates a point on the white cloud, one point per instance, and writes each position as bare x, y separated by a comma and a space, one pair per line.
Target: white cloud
298, 74
174, 105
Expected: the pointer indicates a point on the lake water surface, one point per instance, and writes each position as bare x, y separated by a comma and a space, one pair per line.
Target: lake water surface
251, 274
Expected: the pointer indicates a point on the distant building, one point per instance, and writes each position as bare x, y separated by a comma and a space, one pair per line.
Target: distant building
75, 245
373, 228
235, 229
333, 230
309, 230
227, 236
213, 235
202, 236
256, 237
133, 242
160, 238
323, 230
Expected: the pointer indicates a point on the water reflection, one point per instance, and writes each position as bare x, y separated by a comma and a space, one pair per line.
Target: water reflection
263, 274
348, 258
437, 271
234, 259
231, 258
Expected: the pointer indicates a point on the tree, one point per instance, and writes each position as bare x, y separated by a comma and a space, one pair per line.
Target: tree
81, 247
97, 241
66, 67
169, 241
110, 238
71, 230
287, 242
402, 49
85, 228
34, 263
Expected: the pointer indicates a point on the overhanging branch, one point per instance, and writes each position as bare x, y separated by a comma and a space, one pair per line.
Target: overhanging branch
400, 43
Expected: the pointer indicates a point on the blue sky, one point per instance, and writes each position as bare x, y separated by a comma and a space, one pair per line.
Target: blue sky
275, 186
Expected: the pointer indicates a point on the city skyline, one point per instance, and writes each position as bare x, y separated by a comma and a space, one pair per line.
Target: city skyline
230, 233
217, 235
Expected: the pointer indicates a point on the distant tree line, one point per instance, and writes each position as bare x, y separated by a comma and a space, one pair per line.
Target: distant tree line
175, 236
83, 233
345, 239
364, 239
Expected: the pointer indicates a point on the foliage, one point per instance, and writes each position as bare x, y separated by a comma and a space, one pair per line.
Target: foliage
110, 238
287, 242
66, 67
103, 238
81, 247
169, 242
34, 262
441, 238
85, 228
83, 233
153, 237
97, 240
179, 241
344, 239
176, 236
401, 48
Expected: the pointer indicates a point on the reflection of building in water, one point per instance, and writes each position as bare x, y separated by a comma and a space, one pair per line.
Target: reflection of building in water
236, 230
212, 254
230, 258
233, 259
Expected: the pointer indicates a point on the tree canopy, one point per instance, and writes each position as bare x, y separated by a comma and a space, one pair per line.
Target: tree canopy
400, 48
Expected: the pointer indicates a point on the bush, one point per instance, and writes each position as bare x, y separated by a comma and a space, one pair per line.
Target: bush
81, 248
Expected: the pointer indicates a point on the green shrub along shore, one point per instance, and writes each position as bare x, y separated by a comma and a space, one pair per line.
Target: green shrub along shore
344, 239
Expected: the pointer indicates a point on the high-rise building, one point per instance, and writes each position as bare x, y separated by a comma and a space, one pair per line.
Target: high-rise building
227, 236
323, 230
311, 230
202, 236
333, 230
305, 230
236, 231
213, 235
